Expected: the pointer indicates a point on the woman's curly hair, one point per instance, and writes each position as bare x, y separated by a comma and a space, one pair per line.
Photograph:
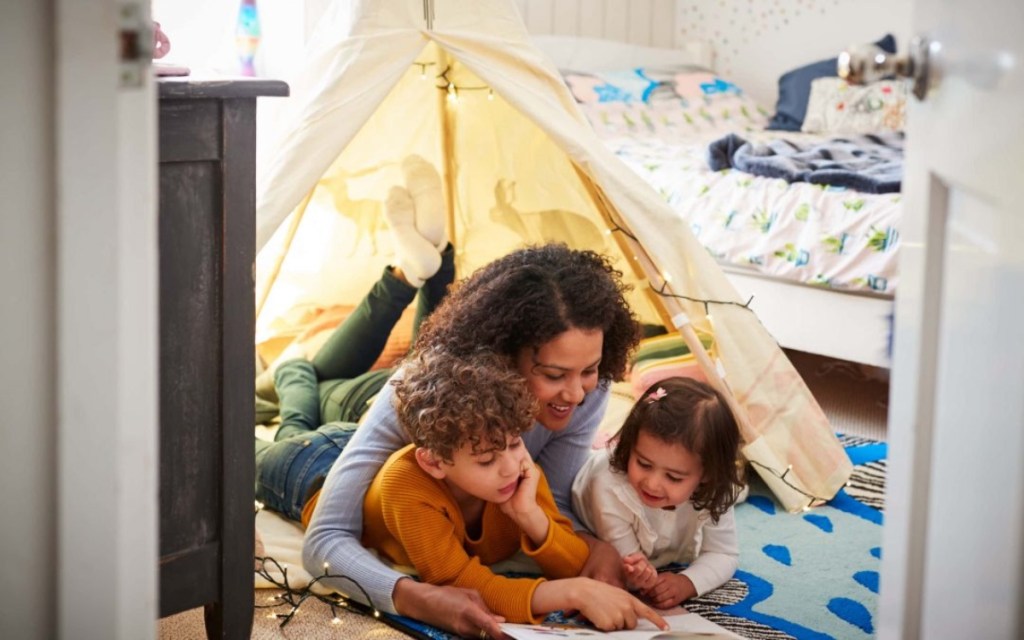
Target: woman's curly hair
529, 297
444, 401
693, 414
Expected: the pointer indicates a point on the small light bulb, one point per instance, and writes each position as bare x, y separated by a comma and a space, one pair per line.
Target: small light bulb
327, 565
807, 508
667, 277
336, 620
376, 614
490, 95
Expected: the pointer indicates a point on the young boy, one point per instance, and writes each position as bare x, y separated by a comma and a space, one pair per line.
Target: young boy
466, 495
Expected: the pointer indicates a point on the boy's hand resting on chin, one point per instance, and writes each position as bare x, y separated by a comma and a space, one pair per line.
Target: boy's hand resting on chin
522, 507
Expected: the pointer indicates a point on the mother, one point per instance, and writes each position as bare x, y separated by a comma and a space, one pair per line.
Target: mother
561, 317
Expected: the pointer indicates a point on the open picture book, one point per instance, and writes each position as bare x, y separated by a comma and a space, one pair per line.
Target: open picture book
682, 623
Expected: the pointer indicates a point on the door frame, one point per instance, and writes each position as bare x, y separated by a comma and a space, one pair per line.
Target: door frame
107, 333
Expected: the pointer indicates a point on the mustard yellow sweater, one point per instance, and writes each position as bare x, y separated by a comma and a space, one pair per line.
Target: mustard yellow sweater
413, 520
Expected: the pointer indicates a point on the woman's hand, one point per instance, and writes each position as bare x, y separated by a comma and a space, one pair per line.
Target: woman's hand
640, 573
522, 507
607, 607
670, 589
461, 611
604, 562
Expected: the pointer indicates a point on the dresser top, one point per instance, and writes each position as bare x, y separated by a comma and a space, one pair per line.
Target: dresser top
198, 87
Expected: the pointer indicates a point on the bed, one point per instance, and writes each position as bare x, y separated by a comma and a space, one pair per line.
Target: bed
818, 262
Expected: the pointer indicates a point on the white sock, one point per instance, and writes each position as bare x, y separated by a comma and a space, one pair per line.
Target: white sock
424, 184
417, 258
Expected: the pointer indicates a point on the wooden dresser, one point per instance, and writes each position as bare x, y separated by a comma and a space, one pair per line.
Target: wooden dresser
207, 249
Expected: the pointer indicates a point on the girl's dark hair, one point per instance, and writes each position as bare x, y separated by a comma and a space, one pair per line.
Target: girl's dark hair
445, 401
693, 414
529, 297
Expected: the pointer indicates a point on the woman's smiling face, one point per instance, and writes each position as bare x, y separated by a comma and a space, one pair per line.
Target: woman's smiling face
561, 373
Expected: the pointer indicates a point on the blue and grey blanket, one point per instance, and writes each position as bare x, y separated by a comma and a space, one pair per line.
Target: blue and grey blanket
872, 163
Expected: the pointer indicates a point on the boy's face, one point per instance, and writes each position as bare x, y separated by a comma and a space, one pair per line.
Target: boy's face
664, 474
491, 476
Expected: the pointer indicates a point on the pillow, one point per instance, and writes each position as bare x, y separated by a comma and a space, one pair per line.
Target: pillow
838, 107
662, 103
665, 356
795, 88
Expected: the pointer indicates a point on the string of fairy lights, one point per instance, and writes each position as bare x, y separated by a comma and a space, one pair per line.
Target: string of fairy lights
294, 597
444, 82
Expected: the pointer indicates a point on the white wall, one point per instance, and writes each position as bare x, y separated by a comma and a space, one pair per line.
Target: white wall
28, 367
757, 41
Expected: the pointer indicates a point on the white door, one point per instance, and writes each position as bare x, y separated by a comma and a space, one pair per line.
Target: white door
106, 391
953, 546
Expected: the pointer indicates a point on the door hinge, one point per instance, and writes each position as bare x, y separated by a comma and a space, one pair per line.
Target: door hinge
135, 45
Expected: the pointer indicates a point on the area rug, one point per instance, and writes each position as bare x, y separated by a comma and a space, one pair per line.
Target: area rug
810, 576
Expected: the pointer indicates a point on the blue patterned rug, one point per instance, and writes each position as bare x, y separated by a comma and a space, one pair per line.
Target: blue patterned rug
810, 576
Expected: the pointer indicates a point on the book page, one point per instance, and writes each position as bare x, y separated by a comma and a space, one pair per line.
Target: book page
682, 624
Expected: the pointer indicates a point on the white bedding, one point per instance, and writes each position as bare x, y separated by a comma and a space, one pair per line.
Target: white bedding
826, 236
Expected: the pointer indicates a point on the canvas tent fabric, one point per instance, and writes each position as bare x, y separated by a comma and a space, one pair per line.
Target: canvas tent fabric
520, 165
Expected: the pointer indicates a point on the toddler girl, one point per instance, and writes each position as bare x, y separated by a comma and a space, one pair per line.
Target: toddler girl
664, 492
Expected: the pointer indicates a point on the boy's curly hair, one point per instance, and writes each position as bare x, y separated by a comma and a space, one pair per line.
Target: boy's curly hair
693, 414
529, 297
444, 401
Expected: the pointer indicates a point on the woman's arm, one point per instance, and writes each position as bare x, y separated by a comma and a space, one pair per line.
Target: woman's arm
337, 524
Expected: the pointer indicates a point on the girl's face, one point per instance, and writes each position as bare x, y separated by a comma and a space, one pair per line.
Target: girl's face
663, 474
491, 476
561, 372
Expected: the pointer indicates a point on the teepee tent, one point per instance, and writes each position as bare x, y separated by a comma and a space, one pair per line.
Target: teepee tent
460, 84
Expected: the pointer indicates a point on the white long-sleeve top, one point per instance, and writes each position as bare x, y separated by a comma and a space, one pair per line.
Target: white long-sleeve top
608, 505
336, 527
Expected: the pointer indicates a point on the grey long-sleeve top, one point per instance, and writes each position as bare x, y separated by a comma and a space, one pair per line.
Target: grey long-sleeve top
336, 527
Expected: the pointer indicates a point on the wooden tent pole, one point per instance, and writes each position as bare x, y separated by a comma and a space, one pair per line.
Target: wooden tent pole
670, 309
276, 269
447, 148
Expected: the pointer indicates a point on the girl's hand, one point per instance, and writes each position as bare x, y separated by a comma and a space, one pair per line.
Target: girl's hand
669, 590
609, 607
640, 573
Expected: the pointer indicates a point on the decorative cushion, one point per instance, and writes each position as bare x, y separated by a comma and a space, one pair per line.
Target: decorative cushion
665, 356
651, 102
838, 107
795, 88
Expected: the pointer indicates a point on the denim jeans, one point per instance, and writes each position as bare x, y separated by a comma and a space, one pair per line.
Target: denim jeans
289, 471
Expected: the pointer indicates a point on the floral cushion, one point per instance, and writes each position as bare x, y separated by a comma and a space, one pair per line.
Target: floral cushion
838, 107
647, 102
